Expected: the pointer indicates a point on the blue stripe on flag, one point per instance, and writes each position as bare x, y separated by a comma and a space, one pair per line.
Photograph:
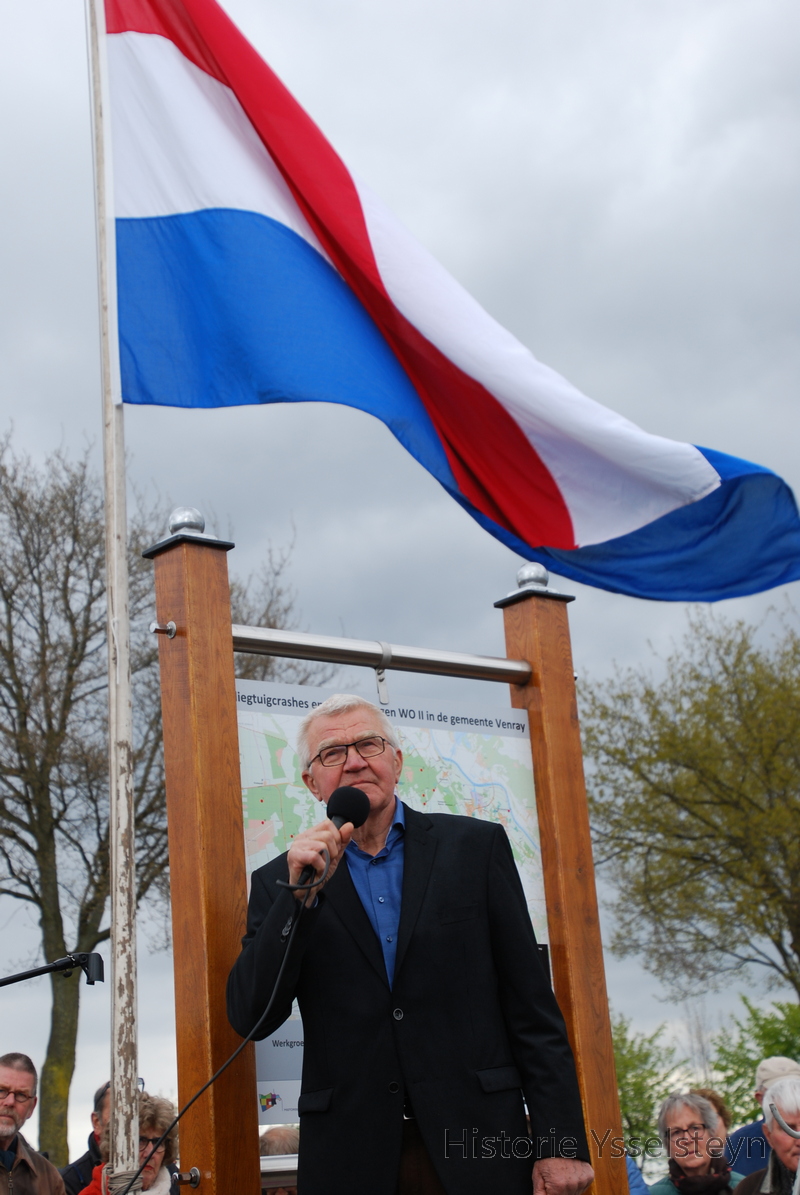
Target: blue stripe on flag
222, 308
741, 539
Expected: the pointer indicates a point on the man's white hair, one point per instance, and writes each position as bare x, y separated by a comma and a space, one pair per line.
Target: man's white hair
341, 703
785, 1094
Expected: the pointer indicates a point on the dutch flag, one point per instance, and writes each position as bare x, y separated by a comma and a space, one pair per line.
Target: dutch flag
253, 267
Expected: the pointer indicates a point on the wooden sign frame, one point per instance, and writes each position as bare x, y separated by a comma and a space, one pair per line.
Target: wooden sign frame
207, 863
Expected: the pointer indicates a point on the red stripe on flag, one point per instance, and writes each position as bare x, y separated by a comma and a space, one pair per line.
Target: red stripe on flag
170, 19
496, 467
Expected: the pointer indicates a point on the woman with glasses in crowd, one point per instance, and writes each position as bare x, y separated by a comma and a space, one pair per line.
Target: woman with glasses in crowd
694, 1137
155, 1115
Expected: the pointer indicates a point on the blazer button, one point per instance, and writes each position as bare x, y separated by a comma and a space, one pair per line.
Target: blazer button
398, 1014
394, 1088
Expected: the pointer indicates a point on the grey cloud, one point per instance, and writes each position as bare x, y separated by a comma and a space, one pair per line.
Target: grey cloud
616, 182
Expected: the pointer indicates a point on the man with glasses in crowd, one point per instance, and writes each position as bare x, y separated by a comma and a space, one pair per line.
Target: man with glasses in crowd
426, 1011
23, 1171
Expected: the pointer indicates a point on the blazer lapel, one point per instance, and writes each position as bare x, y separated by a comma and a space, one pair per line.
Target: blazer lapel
419, 853
341, 892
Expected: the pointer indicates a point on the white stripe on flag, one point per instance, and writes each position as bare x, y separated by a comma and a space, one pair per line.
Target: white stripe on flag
614, 476
182, 141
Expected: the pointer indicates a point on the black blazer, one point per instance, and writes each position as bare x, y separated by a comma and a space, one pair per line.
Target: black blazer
470, 1025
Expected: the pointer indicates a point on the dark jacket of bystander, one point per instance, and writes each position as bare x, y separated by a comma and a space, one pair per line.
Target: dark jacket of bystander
78, 1174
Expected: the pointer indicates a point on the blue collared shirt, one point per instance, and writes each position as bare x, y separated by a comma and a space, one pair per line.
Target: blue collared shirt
378, 881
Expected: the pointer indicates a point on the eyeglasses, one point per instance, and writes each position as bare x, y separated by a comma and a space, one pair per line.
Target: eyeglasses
20, 1097
694, 1130
155, 1143
331, 757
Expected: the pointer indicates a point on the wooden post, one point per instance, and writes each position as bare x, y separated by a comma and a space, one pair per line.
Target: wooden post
219, 1135
537, 630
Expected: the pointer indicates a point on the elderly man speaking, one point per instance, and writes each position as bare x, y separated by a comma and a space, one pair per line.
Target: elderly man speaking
427, 1015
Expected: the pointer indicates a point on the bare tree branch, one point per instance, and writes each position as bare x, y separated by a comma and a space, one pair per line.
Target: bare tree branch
53, 722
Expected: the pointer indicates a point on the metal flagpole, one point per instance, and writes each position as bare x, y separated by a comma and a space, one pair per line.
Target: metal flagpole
124, 1054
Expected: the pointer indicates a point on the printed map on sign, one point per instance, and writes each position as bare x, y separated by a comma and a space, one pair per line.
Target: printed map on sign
456, 759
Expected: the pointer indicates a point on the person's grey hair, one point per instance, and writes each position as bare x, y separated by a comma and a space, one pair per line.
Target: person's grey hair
282, 1139
341, 703
697, 1104
785, 1094
22, 1063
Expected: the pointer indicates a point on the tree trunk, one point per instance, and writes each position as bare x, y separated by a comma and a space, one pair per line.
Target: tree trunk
59, 1065
59, 1061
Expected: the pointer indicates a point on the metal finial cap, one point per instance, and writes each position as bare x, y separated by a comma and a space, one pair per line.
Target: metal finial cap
532, 575
532, 581
186, 525
186, 518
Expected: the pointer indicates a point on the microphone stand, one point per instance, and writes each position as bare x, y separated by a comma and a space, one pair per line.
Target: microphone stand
90, 964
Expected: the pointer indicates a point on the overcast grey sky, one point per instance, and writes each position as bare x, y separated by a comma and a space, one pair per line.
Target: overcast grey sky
617, 182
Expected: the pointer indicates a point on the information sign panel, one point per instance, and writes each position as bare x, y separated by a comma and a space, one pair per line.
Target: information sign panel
458, 758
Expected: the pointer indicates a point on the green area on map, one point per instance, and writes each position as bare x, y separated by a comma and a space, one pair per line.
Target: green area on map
445, 770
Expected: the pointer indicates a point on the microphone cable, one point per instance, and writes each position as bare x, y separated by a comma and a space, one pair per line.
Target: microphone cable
345, 804
307, 887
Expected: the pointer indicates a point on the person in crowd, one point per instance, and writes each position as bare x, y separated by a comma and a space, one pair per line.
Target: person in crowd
636, 1183
720, 1107
282, 1139
747, 1149
78, 1175
426, 1010
693, 1135
779, 1176
23, 1170
155, 1115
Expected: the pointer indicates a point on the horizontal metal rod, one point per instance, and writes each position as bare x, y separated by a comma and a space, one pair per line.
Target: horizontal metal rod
370, 653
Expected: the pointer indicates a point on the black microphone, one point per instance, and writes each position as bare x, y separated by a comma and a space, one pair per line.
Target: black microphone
348, 804
345, 804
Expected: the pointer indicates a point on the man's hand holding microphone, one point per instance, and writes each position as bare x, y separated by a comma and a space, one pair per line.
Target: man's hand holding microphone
324, 844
